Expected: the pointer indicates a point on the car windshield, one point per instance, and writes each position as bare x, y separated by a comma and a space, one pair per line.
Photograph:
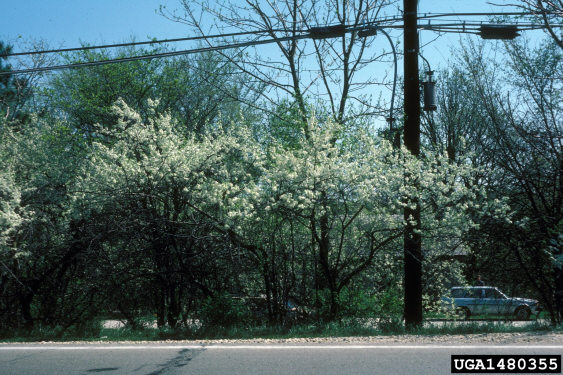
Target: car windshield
457, 293
501, 294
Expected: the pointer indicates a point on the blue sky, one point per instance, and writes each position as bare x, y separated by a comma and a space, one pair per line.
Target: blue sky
92, 21
112, 21
69, 22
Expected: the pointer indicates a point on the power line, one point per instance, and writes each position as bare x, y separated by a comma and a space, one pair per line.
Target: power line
159, 55
167, 40
382, 20
137, 43
458, 27
156, 55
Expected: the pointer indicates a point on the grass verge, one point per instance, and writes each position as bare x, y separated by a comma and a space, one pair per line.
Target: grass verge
96, 332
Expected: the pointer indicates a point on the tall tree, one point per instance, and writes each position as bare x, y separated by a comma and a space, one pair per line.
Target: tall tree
42, 247
193, 89
298, 68
546, 12
524, 140
14, 90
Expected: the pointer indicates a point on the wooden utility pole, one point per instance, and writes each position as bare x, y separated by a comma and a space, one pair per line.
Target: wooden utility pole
411, 135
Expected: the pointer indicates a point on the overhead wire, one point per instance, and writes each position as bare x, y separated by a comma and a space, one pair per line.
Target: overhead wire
153, 56
84, 48
156, 55
451, 27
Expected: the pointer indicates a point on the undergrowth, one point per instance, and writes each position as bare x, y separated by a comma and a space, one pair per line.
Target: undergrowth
96, 331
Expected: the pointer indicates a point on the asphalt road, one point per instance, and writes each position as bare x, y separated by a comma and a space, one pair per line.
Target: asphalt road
145, 359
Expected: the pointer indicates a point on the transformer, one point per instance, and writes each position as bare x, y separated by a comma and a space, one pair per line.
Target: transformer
429, 93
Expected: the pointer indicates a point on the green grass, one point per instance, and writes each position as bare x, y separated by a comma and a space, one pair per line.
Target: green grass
96, 333
153, 334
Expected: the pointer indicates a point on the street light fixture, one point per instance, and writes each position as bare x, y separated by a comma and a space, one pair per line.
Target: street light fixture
371, 31
324, 32
502, 32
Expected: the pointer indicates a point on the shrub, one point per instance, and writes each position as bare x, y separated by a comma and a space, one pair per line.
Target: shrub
222, 310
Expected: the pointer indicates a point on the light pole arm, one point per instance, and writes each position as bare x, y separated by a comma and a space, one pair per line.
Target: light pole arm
364, 33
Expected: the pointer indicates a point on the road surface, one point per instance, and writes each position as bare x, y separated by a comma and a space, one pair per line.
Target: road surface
172, 359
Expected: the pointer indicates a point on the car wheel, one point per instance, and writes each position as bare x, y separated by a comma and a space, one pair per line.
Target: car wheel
522, 313
463, 313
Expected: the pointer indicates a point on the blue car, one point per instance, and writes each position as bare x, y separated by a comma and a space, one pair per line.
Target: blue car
488, 300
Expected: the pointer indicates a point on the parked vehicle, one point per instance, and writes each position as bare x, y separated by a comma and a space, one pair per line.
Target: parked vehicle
488, 300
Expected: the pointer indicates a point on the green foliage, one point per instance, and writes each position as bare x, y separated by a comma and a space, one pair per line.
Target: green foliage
285, 125
14, 92
356, 302
4, 67
348, 328
194, 90
359, 303
223, 311
84, 330
136, 206
155, 221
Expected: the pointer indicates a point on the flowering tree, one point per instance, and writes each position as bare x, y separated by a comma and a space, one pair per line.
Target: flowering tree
316, 214
157, 222
42, 229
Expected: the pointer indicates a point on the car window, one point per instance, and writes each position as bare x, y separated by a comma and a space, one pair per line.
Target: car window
457, 293
491, 293
475, 293
469, 293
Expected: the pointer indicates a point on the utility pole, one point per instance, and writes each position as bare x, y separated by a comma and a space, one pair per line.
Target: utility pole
411, 135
